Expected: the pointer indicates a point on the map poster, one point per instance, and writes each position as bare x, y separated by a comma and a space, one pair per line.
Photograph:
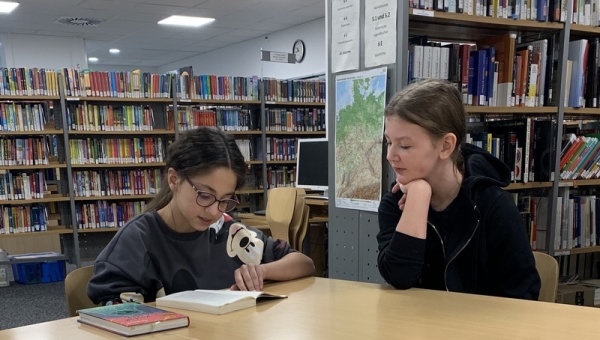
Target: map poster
359, 105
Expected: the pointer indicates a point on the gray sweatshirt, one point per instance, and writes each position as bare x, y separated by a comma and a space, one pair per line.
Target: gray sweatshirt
146, 256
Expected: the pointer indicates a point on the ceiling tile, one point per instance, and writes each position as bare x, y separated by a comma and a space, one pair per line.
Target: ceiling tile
315, 11
149, 62
21, 31
80, 12
207, 12
59, 34
233, 5
8, 24
132, 15
227, 38
269, 26
57, 3
134, 1
91, 45
150, 53
196, 48
202, 33
144, 29
181, 3
248, 34
158, 9
176, 55
103, 37
209, 43
274, 6
236, 24
28, 18
293, 2
249, 16
290, 19
107, 5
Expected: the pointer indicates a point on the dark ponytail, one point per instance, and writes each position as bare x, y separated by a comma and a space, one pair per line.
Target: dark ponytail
198, 152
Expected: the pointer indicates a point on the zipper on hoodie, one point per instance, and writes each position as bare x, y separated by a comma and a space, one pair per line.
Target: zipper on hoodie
443, 249
461, 249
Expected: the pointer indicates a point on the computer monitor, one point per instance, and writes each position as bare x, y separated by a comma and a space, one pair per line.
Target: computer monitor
311, 169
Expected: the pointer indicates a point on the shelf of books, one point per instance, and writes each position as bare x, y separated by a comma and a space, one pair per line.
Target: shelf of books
49, 131
282, 103
489, 17
118, 99
113, 141
509, 79
585, 30
511, 110
231, 104
294, 109
32, 167
117, 152
581, 111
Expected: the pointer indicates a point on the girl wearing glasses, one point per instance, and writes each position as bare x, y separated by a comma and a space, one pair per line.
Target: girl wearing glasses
185, 240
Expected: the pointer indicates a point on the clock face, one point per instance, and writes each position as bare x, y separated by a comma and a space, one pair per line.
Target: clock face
299, 50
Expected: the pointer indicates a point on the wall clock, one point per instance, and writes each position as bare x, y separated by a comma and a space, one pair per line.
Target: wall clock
299, 50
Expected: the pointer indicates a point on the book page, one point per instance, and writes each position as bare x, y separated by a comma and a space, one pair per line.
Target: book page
212, 298
215, 297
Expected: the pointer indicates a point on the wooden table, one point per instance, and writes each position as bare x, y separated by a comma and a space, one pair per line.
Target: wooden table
334, 309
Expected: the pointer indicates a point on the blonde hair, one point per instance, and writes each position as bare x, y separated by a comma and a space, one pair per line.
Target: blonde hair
436, 106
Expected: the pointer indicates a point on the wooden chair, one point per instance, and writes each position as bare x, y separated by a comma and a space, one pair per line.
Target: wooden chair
299, 225
76, 289
547, 268
287, 215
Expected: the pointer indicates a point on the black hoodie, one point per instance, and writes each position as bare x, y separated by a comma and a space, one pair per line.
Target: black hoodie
483, 250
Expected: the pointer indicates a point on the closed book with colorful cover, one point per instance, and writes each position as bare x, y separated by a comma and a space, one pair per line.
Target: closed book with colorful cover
130, 319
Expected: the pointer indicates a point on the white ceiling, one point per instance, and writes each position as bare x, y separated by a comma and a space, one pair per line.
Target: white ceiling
131, 25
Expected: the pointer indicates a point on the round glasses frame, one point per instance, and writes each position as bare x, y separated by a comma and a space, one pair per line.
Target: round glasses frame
209, 199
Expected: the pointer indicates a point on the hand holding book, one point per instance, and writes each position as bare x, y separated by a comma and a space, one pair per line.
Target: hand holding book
249, 277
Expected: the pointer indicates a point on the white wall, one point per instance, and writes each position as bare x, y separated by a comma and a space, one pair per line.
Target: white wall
243, 59
21, 50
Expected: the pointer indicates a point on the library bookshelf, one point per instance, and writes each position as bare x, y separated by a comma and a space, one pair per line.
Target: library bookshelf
81, 123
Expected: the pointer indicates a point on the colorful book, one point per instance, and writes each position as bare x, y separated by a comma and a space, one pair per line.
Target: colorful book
130, 319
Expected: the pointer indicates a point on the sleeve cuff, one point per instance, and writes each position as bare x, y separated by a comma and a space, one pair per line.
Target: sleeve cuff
410, 247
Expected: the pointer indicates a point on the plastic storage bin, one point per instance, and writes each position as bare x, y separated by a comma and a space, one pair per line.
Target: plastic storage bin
39, 268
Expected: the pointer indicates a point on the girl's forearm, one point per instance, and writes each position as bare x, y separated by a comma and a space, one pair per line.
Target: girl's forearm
291, 266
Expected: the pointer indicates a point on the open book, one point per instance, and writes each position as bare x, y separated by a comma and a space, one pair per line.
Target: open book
214, 301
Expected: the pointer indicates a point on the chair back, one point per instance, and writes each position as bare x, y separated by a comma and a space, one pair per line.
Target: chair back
299, 224
547, 268
76, 289
280, 211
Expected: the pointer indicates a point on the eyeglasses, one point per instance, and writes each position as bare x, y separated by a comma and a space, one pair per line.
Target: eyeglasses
206, 199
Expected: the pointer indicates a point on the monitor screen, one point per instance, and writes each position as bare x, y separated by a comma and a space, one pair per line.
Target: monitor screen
312, 164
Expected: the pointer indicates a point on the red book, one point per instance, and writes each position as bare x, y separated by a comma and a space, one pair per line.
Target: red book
130, 319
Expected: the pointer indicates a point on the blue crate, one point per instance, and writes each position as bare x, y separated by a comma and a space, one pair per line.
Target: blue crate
41, 271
